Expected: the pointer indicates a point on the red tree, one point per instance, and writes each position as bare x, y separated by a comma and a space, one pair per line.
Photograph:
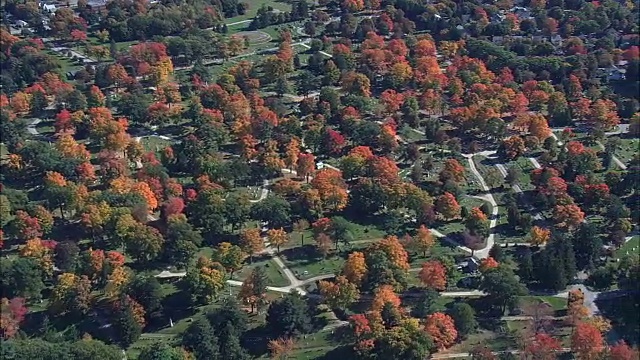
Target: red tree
587, 341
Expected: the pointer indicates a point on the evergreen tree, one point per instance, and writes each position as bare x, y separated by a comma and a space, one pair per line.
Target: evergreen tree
160, 351
427, 304
464, 317
126, 326
525, 268
230, 348
200, 339
289, 316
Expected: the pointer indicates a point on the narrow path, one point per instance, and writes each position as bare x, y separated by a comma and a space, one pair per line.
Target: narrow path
239, 22
484, 252
468, 355
321, 52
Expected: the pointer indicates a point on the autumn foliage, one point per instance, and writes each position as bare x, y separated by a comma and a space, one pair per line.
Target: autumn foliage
433, 275
442, 329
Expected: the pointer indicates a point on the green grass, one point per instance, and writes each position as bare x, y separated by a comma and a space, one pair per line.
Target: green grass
3, 151
66, 64
275, 276
628, 247
154, 143
314, 267
409, 135
253, 10
628, 149
555, 302
46, 128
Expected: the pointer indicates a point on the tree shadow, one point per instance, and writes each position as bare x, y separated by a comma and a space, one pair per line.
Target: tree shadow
306, 254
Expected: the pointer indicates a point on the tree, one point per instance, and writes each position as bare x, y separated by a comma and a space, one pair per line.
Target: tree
182, 241
254, 288
586, 342
487, 264
539, 236
161, 351
323, 244
423, 240
477, 222
622, 351
274, 210
205, 280
543, 347
480, 352
251, 242
66, 256
289, 316
72, 294
200, 339
338, 294
355, 268
128, 323
305, 165
502, 287
452, 170
442, 329
384, 295
277, 237
281, 348
568, 216
23, 277
12, 313
447, 206
514, 147
433, 275
229, 256
464, 318
147, 291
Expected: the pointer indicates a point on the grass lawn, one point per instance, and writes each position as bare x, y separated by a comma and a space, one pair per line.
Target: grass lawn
66, 64
628, 247
154, 143
308, 268
46, 127
253, 10
555, 302
628, 149
3, 151
275, 277
495, 341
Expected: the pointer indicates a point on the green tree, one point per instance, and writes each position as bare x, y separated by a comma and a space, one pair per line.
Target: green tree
200, 339
208, 212
464, 317
229, 313
407, 341
274, 210
182, 242
66, 256
427, 304
230, 348
126, 325
22, 277
502, 287
94, 349
289, 316
147, 291
237, 209
160, 351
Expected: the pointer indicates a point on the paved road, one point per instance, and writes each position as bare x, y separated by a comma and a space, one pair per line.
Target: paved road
31, 128
484, 252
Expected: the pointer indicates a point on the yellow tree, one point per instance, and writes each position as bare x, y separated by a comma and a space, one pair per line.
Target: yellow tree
355, 268
251, 242
423, 240
383, 295
116, 281
229, 256
539, 236
281, 348
338, 294
277, 237
293, 151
